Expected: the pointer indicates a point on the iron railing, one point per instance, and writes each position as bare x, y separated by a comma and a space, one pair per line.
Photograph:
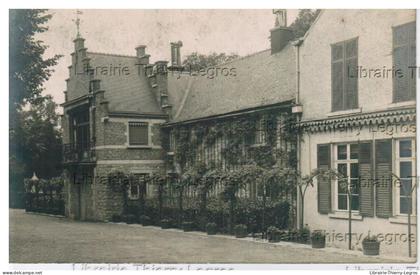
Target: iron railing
79, 152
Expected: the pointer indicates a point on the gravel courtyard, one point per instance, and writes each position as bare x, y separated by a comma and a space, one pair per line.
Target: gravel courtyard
43, 239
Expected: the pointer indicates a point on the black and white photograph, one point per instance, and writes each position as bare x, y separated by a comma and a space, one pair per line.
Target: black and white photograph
153, 139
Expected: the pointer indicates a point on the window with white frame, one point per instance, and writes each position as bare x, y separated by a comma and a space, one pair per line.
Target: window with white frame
137, 186
405, 168
347, 164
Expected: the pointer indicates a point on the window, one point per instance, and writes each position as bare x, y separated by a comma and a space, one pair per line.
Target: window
137, 186
404, 57
347, 165
405, 170
258, 134
138, 133
344, 62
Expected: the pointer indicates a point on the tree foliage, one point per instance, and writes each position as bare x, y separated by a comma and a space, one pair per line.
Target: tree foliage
34, 140
196, 61
303, 21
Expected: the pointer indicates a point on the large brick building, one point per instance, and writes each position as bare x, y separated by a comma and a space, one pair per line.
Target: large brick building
362, 126
116, 117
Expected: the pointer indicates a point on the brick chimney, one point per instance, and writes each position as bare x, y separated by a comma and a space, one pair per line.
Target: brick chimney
176, 54
141, 54
280, 34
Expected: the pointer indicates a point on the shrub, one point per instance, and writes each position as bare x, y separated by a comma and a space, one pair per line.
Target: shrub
240, 231
188, 226
145, 220
116, 218
211, 228
166, 223
318, 239
304, 235
371, 245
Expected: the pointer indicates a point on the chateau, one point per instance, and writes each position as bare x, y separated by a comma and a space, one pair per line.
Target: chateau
123, 113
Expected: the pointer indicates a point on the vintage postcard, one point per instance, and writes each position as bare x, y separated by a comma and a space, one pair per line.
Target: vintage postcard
156, 139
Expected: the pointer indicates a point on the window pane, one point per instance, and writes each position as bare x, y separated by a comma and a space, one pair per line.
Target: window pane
405, 169
355, 186
355, 203
341, 152
404, 205
354, 170
354, 151
342, 202
342, 187
405, 148
342, 169
405, 187
138, 134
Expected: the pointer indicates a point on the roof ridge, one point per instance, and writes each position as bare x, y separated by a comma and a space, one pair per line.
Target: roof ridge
112, 54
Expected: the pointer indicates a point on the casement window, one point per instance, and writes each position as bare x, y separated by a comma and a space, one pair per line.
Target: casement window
405, 168
258, 134
404, 57
344, 62
138, 133
346, 163
137, 186
369, 175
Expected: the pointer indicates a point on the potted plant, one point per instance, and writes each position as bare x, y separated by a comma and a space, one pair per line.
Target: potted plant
240, 231
318, 239
303, 235
211, 228
370, 245
273, 234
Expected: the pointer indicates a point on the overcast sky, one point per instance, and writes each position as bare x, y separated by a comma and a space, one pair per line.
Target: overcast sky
120, 31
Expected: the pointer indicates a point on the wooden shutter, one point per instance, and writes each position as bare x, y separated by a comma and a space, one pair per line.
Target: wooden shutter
344, 78
337, 72
351, 76
366, 205
138, 133
383, 179
324, 184
404, 57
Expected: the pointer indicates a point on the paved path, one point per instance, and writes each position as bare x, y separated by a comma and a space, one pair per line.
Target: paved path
43, 239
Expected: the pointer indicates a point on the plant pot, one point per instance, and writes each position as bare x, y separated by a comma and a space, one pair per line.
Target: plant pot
371, 248
318, 242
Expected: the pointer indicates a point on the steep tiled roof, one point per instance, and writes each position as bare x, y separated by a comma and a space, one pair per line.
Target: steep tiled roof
127, 91
258, 80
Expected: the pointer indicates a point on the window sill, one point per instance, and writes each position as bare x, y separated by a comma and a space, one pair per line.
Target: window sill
344, 215
402, 219
345, 112
396, 105
139, 147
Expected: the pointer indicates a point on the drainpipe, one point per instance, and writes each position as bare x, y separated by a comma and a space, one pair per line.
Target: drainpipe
297, 109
